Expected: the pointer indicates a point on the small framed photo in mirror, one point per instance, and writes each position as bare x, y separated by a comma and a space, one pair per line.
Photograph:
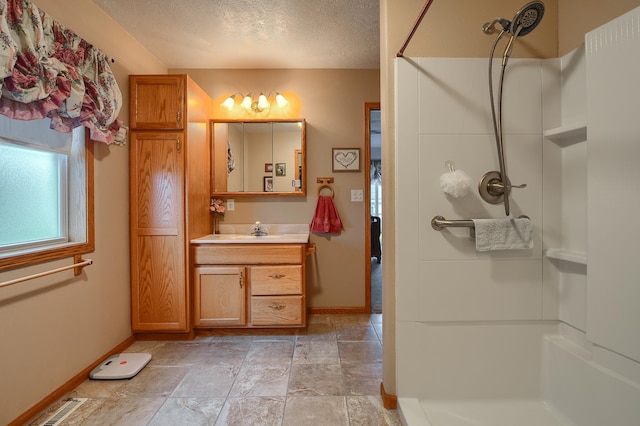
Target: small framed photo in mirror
281, 169
346, 159
267, 185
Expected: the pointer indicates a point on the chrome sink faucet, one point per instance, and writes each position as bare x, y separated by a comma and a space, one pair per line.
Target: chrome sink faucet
258, 231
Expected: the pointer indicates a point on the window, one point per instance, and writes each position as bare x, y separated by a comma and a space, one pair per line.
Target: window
46, 193
33, 191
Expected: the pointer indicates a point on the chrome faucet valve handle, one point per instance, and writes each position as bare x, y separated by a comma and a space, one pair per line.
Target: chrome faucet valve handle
257, 230
499, 187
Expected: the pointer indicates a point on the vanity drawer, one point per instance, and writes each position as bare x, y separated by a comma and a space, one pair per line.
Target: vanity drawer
246, 254
272, 280
277, 310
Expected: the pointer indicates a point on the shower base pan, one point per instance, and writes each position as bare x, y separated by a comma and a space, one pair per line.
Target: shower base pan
527, 412
121, 366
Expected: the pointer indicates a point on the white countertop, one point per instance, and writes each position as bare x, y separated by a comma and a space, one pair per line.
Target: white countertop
241, 234
252, 239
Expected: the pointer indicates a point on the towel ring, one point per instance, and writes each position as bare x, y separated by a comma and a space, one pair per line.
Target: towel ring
325, 182
329, 187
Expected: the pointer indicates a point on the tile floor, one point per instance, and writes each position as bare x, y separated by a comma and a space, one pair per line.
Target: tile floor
329, 376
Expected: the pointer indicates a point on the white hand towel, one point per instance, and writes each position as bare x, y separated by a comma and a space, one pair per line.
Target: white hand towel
503, 234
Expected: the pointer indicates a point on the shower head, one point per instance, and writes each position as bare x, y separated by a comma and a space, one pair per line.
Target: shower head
527, 18
523, 23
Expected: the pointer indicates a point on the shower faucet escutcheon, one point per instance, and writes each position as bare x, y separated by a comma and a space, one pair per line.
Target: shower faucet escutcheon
493, 187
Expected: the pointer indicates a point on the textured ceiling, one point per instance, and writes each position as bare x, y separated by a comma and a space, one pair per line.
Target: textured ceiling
252, 33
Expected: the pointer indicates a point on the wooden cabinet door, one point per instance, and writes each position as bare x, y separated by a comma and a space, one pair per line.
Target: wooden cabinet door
157, 102
220, 296
158, 271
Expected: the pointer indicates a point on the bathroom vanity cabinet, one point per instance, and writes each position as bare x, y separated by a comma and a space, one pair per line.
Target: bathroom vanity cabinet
249, 285
169, 155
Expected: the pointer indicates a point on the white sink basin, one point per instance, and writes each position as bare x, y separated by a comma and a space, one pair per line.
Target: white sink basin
241, 234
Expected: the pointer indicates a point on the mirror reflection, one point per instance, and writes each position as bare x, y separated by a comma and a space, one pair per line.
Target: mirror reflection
258, 157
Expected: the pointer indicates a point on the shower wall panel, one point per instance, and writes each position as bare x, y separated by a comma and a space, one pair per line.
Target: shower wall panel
453, 302
444, 114
613, 102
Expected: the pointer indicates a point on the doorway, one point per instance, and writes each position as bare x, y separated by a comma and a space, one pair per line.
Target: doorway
373, 207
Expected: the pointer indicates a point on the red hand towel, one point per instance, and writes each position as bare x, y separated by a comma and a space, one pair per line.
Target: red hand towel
326, 219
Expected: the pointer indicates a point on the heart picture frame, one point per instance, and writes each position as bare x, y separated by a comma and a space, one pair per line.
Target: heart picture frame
346, 159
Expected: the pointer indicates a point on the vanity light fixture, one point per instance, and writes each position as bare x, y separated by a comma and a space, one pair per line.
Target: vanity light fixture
255, 105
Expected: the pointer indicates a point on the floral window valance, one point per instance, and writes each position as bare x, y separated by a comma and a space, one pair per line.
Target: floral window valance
49, 71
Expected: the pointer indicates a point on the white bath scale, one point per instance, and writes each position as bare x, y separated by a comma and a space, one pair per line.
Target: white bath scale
121, 366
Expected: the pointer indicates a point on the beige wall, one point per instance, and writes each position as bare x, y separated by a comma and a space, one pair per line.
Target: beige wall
452, 28
54, 327
332, 103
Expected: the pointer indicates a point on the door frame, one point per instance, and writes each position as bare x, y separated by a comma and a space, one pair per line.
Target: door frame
368, 107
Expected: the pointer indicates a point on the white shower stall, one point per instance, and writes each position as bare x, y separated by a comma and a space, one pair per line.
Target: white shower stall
545, 336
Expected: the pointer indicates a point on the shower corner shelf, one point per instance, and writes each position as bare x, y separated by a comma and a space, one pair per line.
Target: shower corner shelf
567, 135
567, 255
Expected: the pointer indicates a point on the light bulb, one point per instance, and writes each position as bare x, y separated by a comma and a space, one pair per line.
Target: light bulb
263, 102
246, 102
281, 101
229, 102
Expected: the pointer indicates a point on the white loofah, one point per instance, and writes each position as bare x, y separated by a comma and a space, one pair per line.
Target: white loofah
456, 183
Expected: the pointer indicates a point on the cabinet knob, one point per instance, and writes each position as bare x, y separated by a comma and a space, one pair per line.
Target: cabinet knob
277, 307
276, 276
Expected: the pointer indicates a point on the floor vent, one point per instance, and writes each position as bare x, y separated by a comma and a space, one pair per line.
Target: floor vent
63, 412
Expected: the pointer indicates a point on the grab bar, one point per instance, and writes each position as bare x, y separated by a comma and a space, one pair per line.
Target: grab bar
439, 223
77, 266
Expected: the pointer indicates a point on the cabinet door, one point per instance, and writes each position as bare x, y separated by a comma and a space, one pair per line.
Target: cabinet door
157, 102
158, 272
220, 296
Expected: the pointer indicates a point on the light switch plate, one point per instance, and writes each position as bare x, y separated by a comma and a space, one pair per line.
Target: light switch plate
231, 204
356, 195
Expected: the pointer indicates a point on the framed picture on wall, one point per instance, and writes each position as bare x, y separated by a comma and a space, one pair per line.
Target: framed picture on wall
346, 159
267, 185
281, 169
268, 167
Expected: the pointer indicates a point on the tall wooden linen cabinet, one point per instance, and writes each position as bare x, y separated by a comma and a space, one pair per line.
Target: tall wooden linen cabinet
169, 164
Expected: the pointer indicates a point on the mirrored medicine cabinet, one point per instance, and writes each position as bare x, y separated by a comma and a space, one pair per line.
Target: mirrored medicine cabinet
258, 157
